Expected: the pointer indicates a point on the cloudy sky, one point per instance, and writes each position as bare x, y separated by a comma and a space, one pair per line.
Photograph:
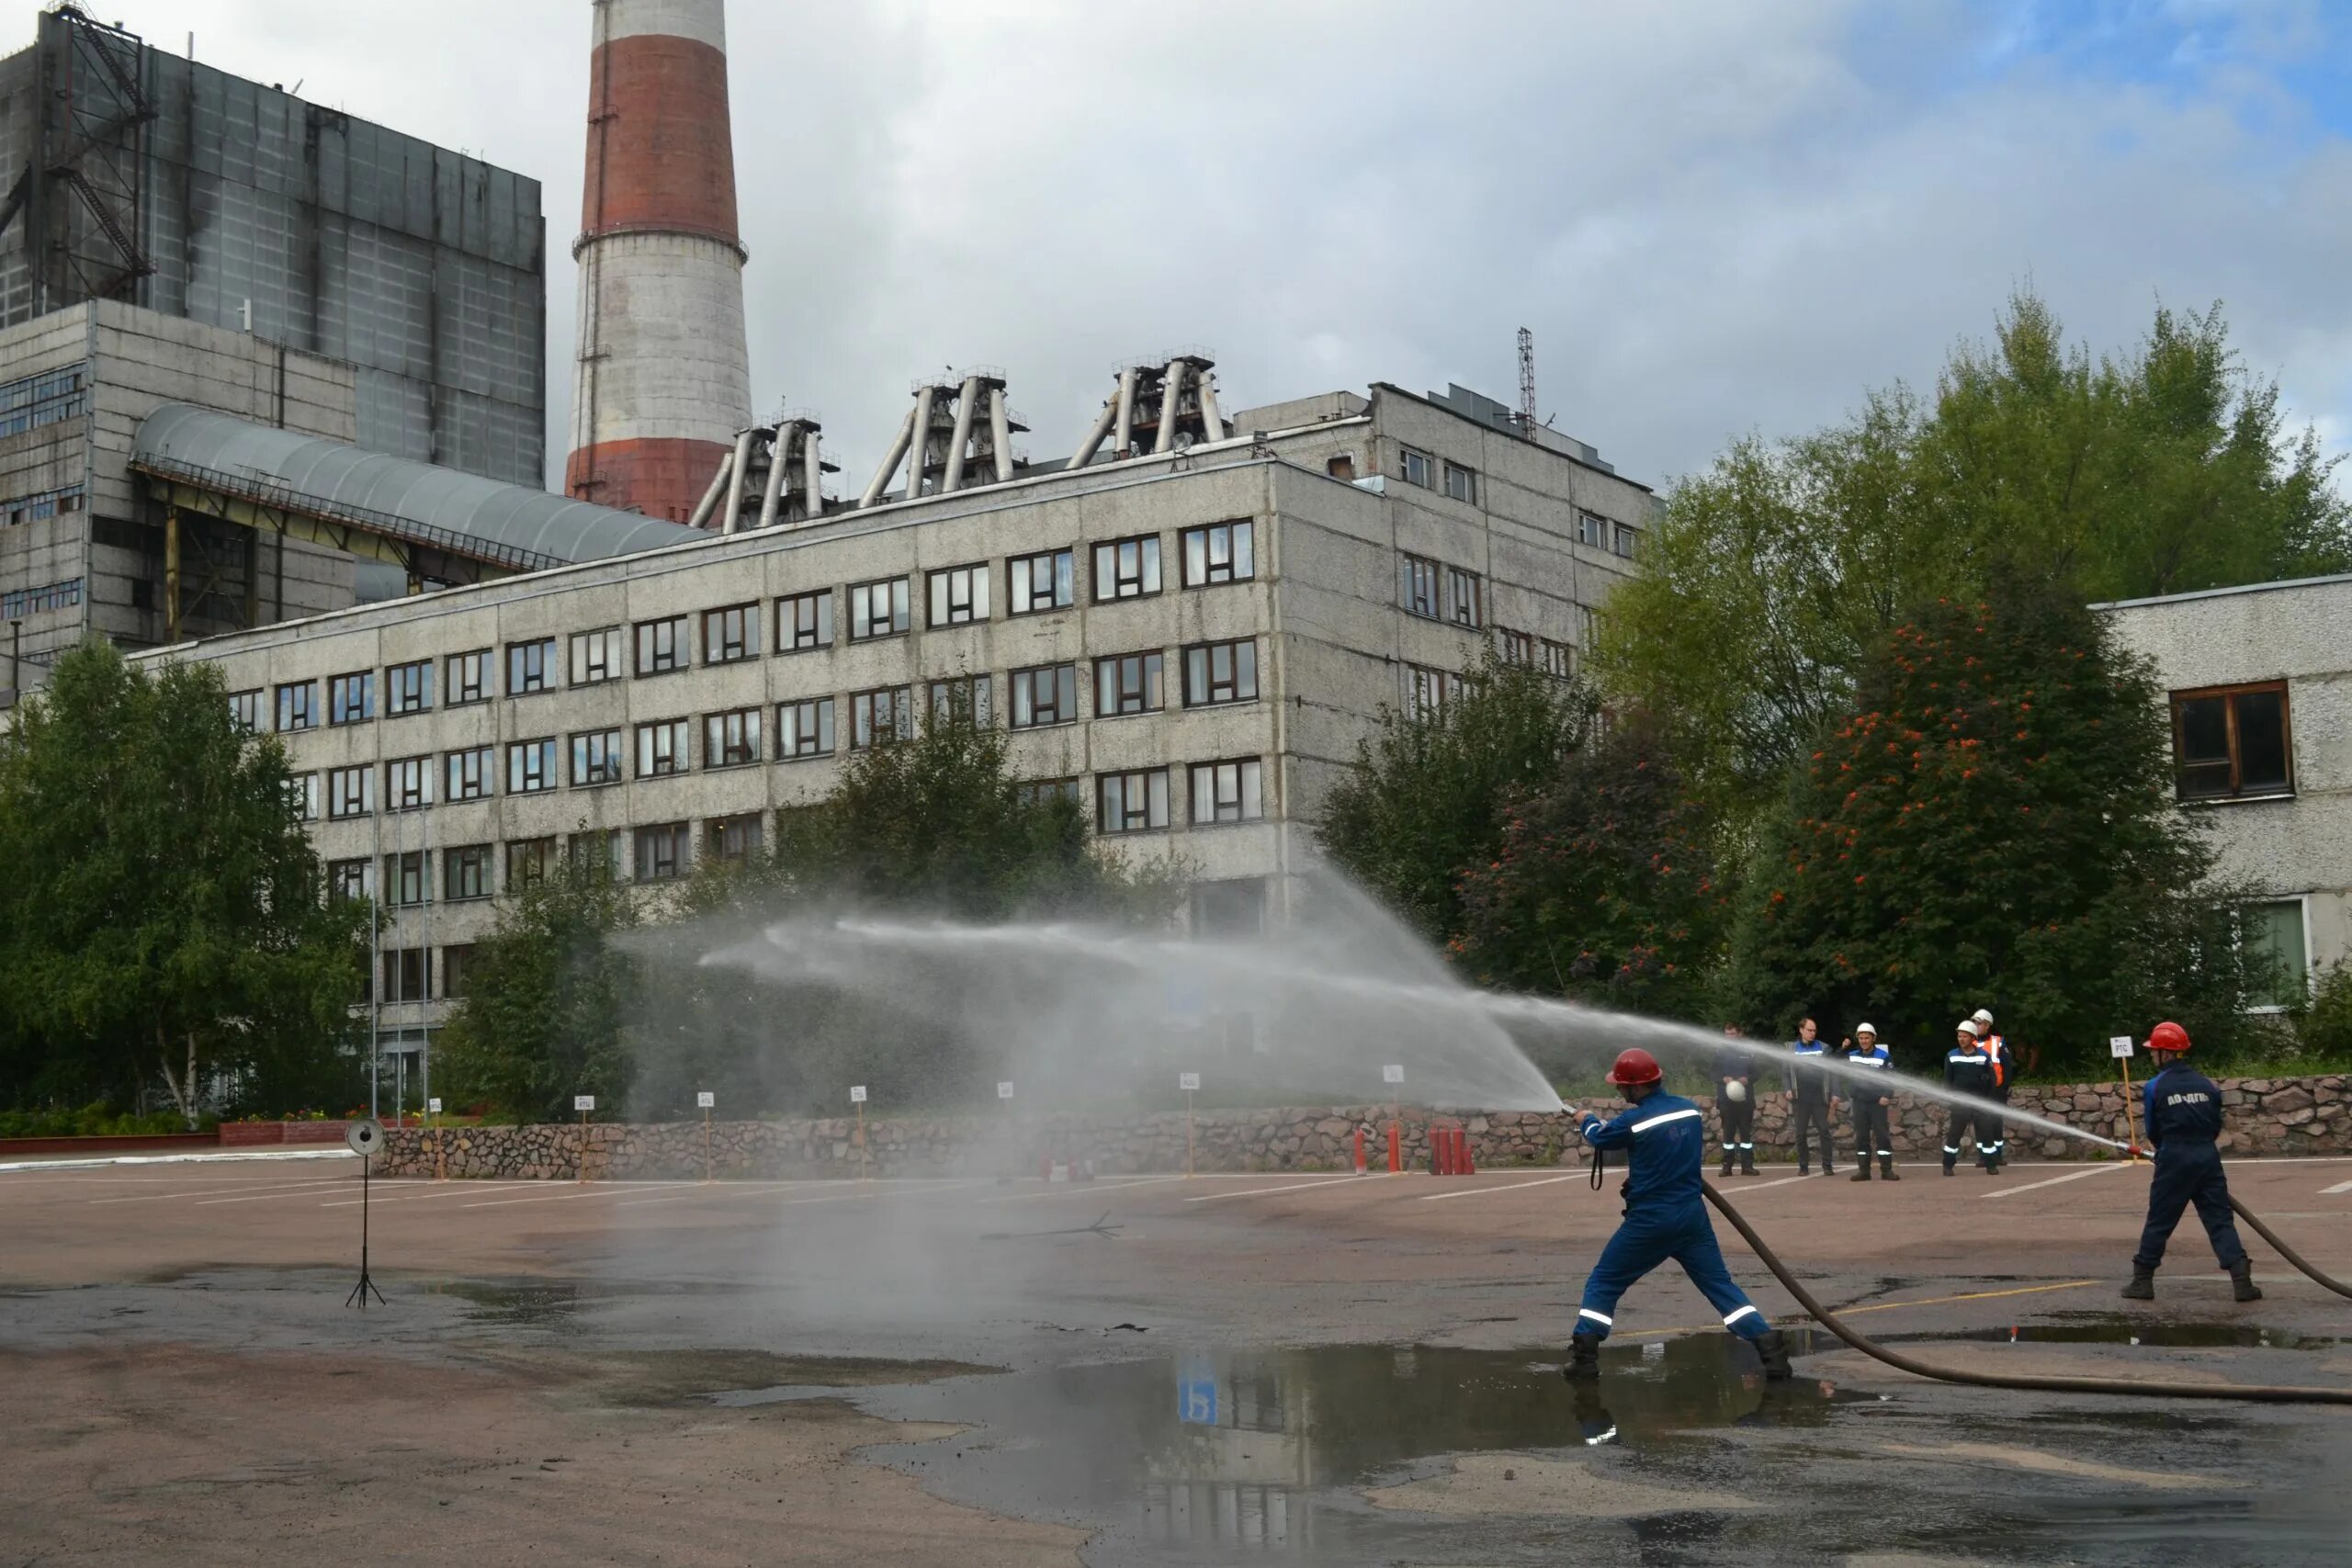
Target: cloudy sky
1716, 216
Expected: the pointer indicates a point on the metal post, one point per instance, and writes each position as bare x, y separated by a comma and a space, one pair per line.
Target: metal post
918, 452
779, 459
881, 480
812, 476
2130, 1124
1212, 423
968, 396
1172, 392
739, 465
1124, 430
1188, 1131
1001, 433
172, 575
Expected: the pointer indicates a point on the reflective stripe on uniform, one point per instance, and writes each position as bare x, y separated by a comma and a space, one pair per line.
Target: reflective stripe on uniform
1744, 1312
1952, 1148
1597, 1316
1669, 1116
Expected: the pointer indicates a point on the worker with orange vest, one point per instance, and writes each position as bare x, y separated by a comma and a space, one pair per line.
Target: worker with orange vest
2003, 1070
2184, 1117
1665, 1137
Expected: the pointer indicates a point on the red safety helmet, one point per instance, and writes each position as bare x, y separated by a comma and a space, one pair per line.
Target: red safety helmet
2167, 1036
1635, 1068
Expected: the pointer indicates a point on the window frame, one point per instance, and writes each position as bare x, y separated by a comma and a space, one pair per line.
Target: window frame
1208, 651
1456, 579
940, 606
528, 860
731, 739
1155, 698
643, 747
550, 762
1124, 778
1020, 577
1063, 680
2294, 984
248, 708
1625, 541
863, 712
340, 874
1408, 459
1468, 493
416, 675
306, 785
1592, 529
861, 620
1415, 573
679, 837
1249, 778
582, 746
716, 829
822, 598
398, 863
1445, 690
594, 658
400, 797
2228, 695
519, 659
335, 780
480, 858
819, 714
306, 710
1240, 560
340, 701
979, 699
743, 621
459, 691
1149, 568
662, 646
483, 762
1559, 659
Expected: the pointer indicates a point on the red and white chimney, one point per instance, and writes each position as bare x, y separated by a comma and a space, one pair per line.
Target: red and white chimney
663, 380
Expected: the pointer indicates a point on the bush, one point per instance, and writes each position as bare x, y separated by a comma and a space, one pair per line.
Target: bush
2324, 1022
97, 1120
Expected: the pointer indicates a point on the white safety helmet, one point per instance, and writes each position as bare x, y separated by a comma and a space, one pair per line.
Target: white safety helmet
1968, 1026
1863, 1029
1734, 1090
1982, 1015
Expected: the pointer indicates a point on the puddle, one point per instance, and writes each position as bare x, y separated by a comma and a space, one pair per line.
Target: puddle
555, 1305
2121, 1330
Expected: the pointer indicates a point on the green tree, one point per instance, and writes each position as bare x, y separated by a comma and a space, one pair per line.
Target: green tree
164, 916
546, 995
1426, 796
1993, 824
1605, 887
1770, 575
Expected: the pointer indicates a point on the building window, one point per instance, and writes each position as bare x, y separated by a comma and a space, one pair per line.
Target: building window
731, 740
805, 621
1560, 660
1461, 596
457, 969
1461, 483
32, 509
1127, 568
465, 873
662, 851
351, 879
1128, 682
1220, 552
596, 655
406, 882
1045, 695
595, 758
530, 766
804, 729
733, 838
408, 975
2276, 955
1131, 803
408, 688
1227, 792
530, 667
1591, 530
303, 794
1040, 792
1417, 468
408, 783
1514, 648
1042, 582
661, 646
661, 749
959, 595
1418, 586
597, 850
35, 400
528, 860
470, 774
351, 699
961, 700
878, 718
298, 707
1341, 467
878, 609
2231, 742
1625, 541
1428, 692
1221, 673
245, 710
351, 791
731, 634
468, 677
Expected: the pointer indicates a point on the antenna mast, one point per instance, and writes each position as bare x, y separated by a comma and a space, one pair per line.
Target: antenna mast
1526, 379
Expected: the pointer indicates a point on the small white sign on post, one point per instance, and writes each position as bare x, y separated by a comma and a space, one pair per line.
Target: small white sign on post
432, 1106
1004, 1090
2119, 1046
857, 1094
1392, 1074
1188, 1082
705, 1099
583, 1102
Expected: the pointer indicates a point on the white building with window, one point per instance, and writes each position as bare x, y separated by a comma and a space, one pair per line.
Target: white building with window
2260, 686
1191, 644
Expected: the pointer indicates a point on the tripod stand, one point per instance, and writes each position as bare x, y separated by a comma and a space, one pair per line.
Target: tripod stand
366, 1287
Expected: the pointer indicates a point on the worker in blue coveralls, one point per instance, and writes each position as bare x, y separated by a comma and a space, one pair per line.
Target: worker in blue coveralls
2184, 1117
1664, 1218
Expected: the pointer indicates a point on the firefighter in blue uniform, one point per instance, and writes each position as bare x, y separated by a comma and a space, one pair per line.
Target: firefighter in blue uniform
1665, 1136
1873, 1105
2184, 1117
1968, 1069
1811, 1101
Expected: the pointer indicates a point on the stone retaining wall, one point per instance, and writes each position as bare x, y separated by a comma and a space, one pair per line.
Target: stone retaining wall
2267, 1116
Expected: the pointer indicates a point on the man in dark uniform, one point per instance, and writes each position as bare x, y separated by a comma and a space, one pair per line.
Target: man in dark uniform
1968, 1070
1810, 1100
1873, 1105
1665, 1137
1736, 1101
2184, 1117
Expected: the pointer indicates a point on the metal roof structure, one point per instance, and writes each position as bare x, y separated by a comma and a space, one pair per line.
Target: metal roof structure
453, 515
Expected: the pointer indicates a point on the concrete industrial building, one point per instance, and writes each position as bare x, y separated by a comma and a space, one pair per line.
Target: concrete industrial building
1191, 642
2259, 683
662, 382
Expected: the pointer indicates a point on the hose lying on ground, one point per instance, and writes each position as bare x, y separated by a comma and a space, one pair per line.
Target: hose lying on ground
2289, 1253
2257, 1393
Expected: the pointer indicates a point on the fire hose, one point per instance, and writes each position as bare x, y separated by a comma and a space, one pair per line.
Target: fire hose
2257, 1393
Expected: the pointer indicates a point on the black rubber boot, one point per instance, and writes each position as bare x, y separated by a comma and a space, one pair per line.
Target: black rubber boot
2142, 1287
1726, 1169
1862, 1173
1748, 1165
2242, 1283
1949, 1165
1584, 1359
1887, 1171
1772, 1349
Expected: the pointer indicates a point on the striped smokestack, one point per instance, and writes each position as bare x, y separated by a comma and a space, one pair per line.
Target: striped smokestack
663, 380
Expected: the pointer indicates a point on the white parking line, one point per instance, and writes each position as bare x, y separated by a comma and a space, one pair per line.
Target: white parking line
1744, 1189
590, 1189
712, 1190
2052, 1182
215, 1191
1512, 1187
297, 1194
449, 1189
1290, 1187
2339, 1186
